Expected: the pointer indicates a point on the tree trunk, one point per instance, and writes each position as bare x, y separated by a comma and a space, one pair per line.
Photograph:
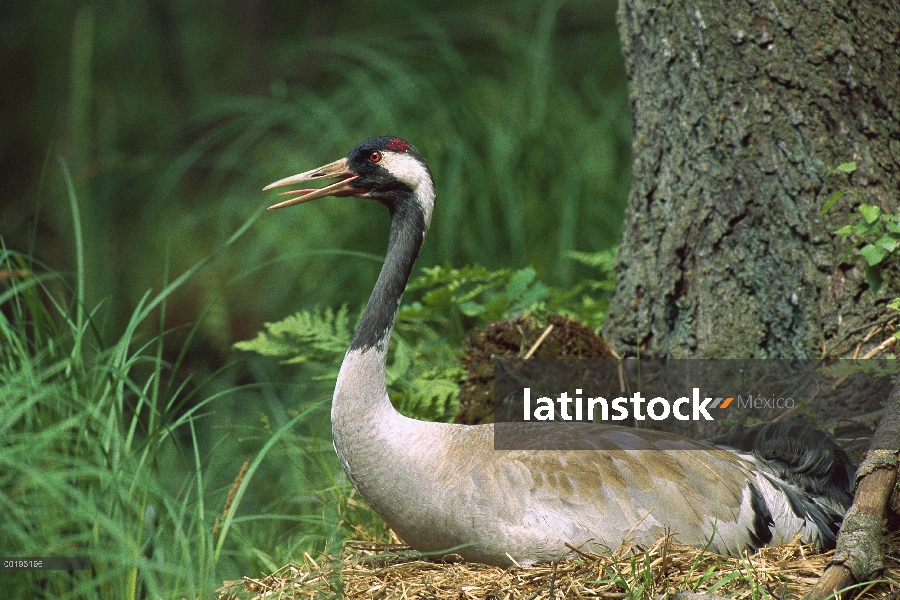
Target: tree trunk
739, 108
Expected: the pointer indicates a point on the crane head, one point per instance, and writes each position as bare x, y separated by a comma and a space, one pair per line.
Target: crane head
387, 169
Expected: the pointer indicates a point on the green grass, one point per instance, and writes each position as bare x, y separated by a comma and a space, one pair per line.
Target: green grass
100, 454
85, 430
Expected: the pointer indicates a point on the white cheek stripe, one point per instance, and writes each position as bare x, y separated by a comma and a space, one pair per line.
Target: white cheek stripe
414, 174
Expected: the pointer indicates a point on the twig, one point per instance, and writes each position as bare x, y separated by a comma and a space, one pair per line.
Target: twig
553, 579
514, 561
581, 552
866, 356
850, 332
621, 372
535, 594
539, 341
880, 347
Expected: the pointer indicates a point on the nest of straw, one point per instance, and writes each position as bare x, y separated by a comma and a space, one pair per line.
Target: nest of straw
390, 571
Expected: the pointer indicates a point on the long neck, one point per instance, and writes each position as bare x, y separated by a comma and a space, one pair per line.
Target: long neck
407, 234
360, 391
371, 438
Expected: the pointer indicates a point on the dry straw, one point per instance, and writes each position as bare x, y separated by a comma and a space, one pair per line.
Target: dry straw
389, 571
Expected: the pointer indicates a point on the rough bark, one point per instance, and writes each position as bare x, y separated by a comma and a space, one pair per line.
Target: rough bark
738, 109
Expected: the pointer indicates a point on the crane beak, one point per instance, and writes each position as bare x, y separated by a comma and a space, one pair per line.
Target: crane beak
337, 169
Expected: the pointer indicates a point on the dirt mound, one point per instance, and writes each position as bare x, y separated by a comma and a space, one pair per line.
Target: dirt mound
519, 337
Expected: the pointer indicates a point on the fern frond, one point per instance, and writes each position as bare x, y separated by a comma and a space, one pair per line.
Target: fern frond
603, 260
320, 335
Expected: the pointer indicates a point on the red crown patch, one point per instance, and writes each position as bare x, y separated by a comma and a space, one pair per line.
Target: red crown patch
397, 145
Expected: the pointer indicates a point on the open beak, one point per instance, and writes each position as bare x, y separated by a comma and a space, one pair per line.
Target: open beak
337, 169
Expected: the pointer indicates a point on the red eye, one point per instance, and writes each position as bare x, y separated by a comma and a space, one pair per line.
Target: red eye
375, 157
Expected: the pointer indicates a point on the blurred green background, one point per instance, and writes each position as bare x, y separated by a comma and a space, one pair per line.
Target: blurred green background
171, 115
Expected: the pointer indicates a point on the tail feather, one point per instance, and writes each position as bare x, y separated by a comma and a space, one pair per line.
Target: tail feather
813, 472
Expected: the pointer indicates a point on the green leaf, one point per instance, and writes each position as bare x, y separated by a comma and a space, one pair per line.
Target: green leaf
402, 360
724, 581
471, 308
874, 278
847, 167
519, 282
888, 242
891, 225
446, 276
531, 298
844, 231
872, 254
830, 202
423, 373
866, 228
870, 213
603, 260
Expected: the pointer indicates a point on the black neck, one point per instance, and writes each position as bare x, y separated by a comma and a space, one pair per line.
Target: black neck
407, 235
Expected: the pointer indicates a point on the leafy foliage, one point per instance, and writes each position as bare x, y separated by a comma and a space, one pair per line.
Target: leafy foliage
423, 374
875, 237
316, 336
461, 299
448, 295
845, 168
